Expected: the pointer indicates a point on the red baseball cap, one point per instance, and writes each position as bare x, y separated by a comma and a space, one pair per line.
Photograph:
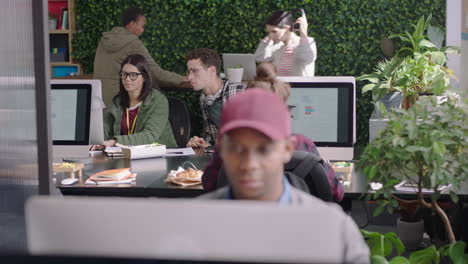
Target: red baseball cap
257, 109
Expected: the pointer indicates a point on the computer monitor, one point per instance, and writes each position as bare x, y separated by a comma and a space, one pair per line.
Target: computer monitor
324, 110
76, 117
181, 229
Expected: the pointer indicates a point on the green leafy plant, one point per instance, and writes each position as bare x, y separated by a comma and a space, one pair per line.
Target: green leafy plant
383, 245
418, 67
52, 16
236, 66
425, 145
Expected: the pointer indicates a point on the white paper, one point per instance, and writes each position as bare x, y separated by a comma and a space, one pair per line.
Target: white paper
113, 149
179, 152
126, 181
400, 187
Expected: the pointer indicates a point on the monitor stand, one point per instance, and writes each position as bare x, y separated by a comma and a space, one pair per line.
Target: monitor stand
71, 153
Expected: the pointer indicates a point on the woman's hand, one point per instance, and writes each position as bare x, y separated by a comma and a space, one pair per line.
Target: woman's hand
96, 147
110, 142
302, 26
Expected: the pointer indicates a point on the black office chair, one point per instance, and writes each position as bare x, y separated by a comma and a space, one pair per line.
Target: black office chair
180, 120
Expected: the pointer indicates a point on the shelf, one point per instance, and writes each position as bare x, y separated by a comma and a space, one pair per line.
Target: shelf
64, 63
59, 31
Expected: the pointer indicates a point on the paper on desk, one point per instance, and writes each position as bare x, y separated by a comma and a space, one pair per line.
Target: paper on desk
126, 181
113, 150
179, 152
406, 187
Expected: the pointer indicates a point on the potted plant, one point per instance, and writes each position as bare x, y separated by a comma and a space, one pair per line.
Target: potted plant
235, 73
426, 146
52, 21
382, 246
418, 67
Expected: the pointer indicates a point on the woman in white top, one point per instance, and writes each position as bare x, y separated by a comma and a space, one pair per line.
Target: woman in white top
293, 55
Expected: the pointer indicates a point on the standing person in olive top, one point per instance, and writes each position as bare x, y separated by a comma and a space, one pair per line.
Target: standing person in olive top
138, 114
292, 55
120, 42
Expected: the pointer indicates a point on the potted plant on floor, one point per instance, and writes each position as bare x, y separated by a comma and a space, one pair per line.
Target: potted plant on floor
235, 73
426, 146
418, 67
383, 245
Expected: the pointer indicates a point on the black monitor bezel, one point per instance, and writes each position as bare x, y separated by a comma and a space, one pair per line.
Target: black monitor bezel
350, 126
73, 86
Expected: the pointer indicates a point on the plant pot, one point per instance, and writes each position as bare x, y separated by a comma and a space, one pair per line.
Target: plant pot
235, 74
410, 233
391, 100
52, 24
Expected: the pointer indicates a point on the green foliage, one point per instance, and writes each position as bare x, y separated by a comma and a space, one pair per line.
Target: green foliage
382, 246
237, 66
347, 34
418, 67
426, 144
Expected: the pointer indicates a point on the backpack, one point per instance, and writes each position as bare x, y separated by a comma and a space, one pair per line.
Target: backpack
304, 172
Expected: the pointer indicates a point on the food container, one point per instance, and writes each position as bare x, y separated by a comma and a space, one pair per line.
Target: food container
143, 151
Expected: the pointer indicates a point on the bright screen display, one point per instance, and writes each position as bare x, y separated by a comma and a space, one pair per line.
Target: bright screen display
322, 112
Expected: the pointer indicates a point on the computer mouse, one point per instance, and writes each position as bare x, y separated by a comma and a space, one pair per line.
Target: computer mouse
69, 181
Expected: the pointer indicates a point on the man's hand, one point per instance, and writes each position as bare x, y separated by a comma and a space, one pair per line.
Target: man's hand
197, 142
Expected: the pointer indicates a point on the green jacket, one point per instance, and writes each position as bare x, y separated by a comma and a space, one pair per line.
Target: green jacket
151, 125
113, 48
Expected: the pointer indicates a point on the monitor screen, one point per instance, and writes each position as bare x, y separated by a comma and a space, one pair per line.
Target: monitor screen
70, 113
323, 112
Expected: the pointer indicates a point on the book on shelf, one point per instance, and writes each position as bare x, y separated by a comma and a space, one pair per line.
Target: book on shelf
64, 18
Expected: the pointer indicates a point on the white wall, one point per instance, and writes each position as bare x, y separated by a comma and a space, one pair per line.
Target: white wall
464, 45
453, 26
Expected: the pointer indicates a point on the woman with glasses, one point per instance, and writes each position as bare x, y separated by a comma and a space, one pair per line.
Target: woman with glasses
138, 114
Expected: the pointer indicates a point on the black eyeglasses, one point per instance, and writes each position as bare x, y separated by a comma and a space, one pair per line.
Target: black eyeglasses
133, 75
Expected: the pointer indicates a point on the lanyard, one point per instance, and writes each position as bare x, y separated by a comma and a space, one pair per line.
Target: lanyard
130, 131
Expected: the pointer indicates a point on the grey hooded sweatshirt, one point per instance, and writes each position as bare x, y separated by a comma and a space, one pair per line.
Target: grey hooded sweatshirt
113, 48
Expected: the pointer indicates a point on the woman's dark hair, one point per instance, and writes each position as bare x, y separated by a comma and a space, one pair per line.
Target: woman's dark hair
280, 19
140, 63
266, 79
131, 14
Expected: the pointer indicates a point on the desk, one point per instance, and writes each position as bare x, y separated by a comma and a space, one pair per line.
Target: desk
149, 181
151, 174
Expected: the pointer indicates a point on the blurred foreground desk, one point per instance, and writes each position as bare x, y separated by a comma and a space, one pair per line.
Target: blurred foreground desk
151, 174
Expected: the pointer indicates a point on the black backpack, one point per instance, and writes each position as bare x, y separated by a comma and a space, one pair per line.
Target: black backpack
304, 172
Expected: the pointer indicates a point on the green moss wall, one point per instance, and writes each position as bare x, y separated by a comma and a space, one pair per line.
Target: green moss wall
347, 33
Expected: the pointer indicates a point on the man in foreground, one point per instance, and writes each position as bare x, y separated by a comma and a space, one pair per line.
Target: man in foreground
255, 142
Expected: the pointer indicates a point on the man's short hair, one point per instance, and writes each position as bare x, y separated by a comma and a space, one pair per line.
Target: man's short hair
208, 57
131, 14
